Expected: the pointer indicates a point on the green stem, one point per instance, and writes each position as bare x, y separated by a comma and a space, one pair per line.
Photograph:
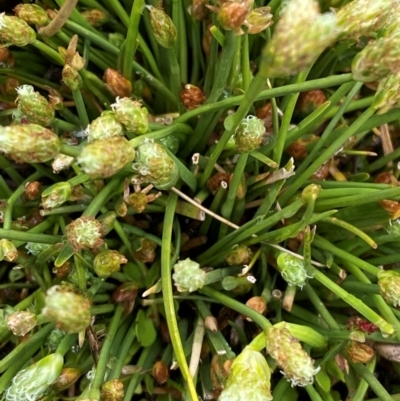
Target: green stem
80, 107
167, 289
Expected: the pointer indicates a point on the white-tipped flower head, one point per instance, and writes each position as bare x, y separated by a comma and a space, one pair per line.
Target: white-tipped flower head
15, 31
84, 233
377, 60
32, 383
29, 143
105, 157
34, 106
388, 92
8, 251
105, 126
132, 115
188, 276
32, 14
67, 310
389, 285
21, 322
292, 269
300, 36
163, 27
108, 262
249, 134
249, 378
296, 364
361, 17
56, 195
155, 165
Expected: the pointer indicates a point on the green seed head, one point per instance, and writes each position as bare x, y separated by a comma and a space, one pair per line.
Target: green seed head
155, 165
15, 31
249, 134
21, 322
108, 262
34, 106
292, 269
105, 157
377, 60
8, 251
188, 276
388, 92
239, 255
132, 115
33, 382
301, 35
105, 126
163, 28
112, 390
69, 311
296, 364
84, 233
56, 195
389, 285
71, 77
29, 143
361, 17
310, 193
32, 14
95, 17
249, 379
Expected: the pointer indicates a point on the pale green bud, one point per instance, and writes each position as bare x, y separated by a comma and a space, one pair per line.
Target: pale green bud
56, 195
84, 233
361, 17
258, 20
377, 60
163, 28
32, 14
155, 165
105, 157
34, 248
8, 251
389, 285
393, 228
388, 92
70, 312
132, 115
292, 269
112, 390
239, 255
33, 382
188, 276
249, 134
249, 379
71, 77
310, 193
108, 262
171, 142
15, 31
21, 322
296, 364
301, 35
34, 106
29, 143
105, 126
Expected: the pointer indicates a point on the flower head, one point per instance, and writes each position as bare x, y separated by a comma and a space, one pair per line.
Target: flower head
249, 134
8, 250
32, 14
188, 276
296, 364
258, 20
95, 17
292, 269
105, 126
71, 77
21, 322
108, 262
84, 233
131, 114
389, 285
56, 195
249, 378
163, 28
15, 31
112, 390
117, 84
239, 255
388, 92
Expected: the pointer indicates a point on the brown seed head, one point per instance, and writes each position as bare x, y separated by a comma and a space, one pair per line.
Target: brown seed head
215, 181
309, 101
6, 58
359, 352
160, 372
258, 304
118, 85
32, 189
126, 295
192, 96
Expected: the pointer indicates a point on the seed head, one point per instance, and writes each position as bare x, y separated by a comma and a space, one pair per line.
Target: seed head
112, 390
108, 262
239, 255
388, 92
105, 126
301, 35
249, 134
249, 378
67, 378
32, 14
69, 311
389, 285
132, 115
95, 17
21, 322
33, 382
258, 20
188, 276
155, 165
71, 77
232, 14
296, 364
84, 233
35, 248
8, 251
15, 31
163, 28
105, 157
192, 97
56, 195
118, 85
160, 372
145, 250
292, 269
359, 352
